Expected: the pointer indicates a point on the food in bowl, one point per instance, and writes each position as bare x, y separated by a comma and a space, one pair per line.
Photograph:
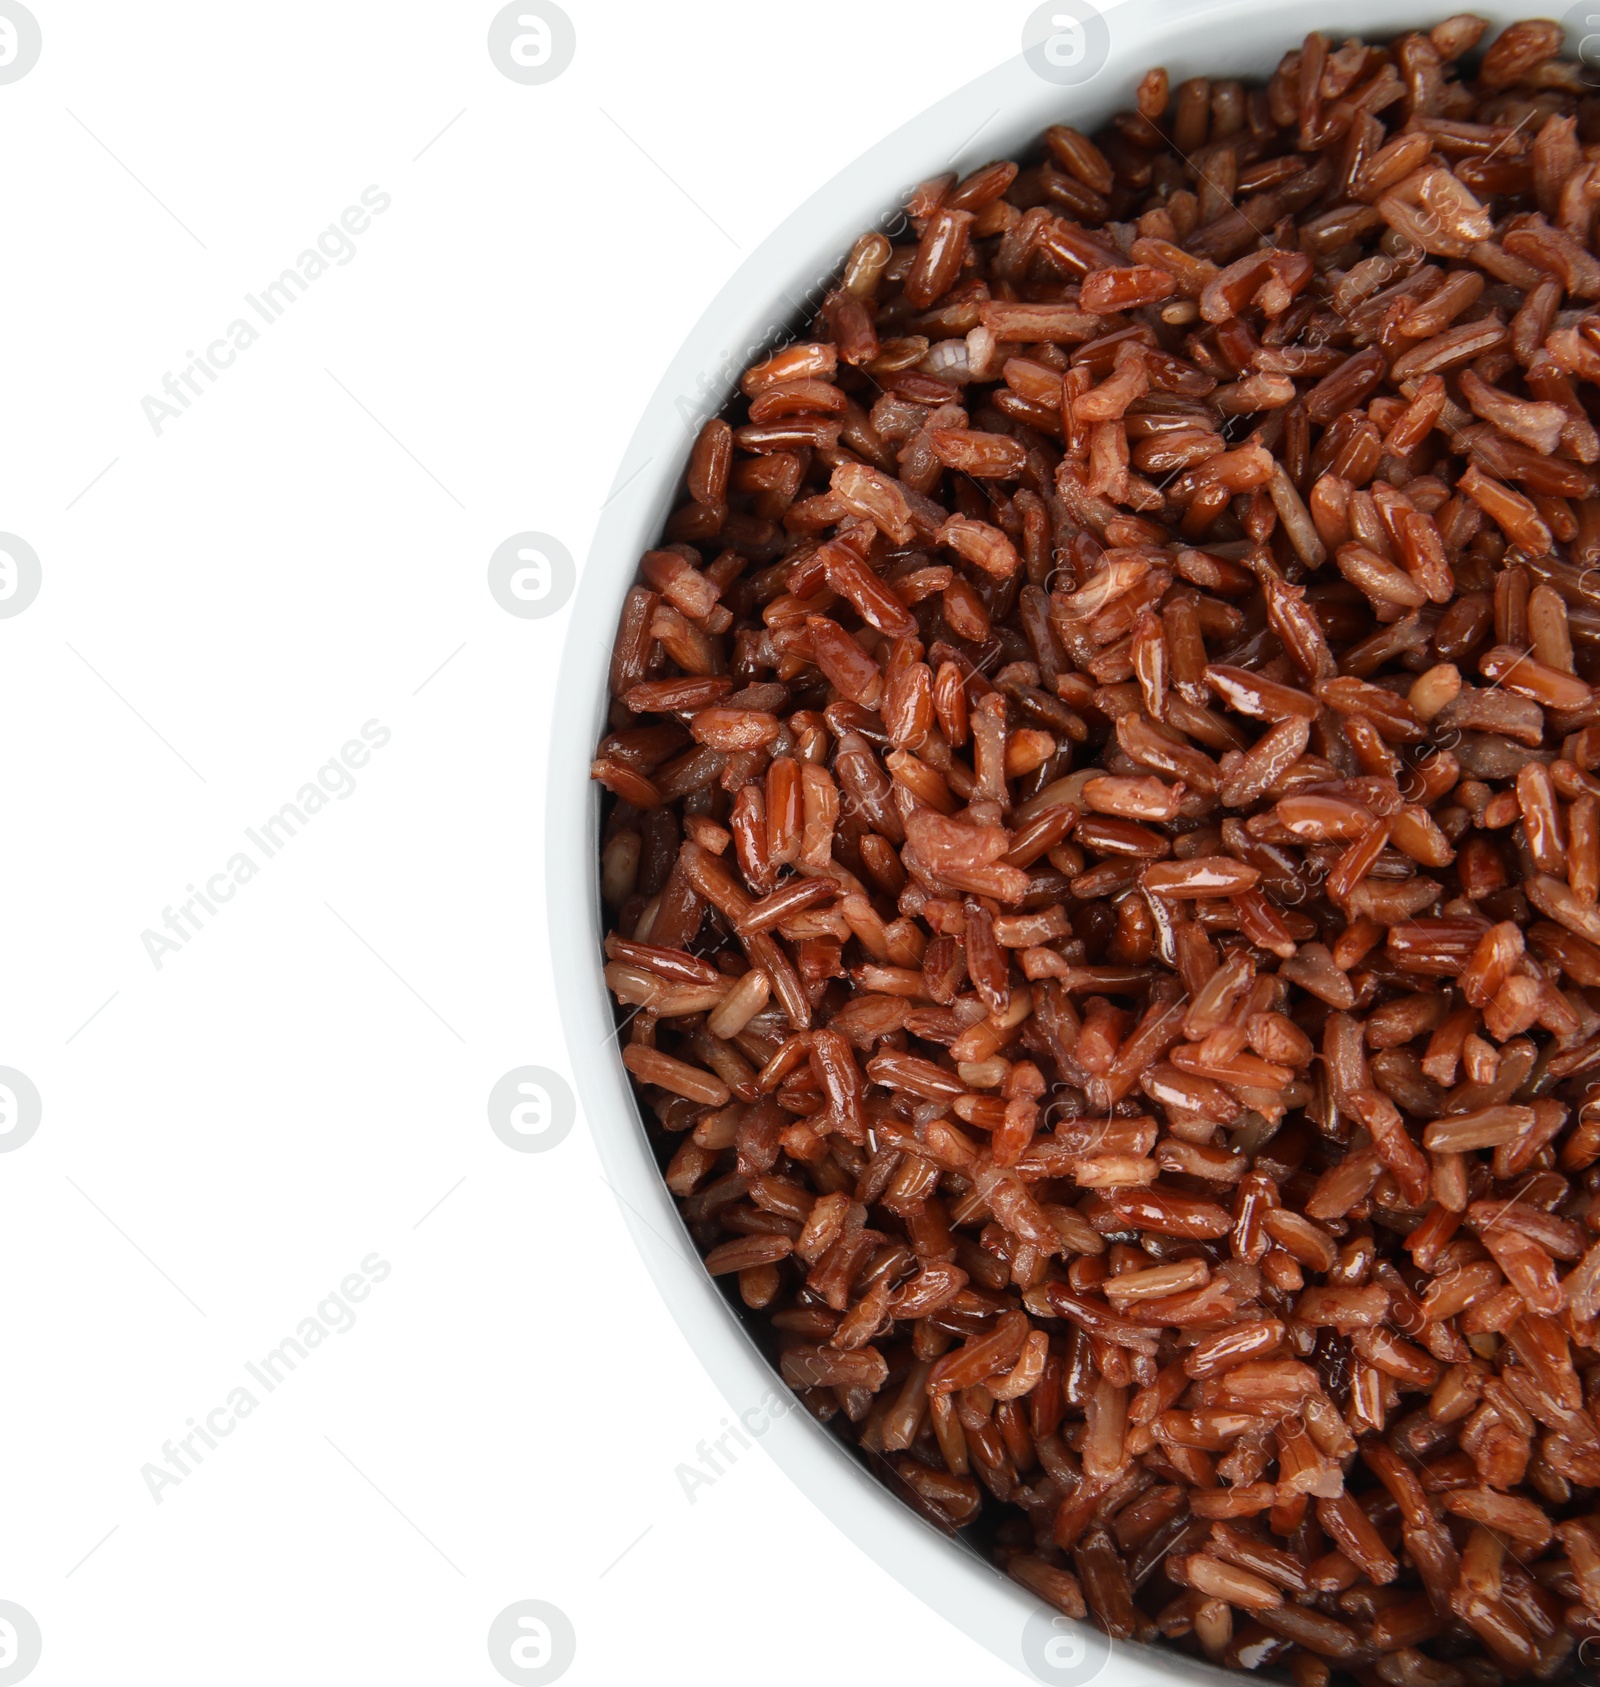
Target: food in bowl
1101, 853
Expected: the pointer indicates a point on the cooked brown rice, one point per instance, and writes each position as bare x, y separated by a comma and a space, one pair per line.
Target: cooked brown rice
1102, 851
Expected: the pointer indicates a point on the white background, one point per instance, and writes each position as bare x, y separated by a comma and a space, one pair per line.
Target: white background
304, 1084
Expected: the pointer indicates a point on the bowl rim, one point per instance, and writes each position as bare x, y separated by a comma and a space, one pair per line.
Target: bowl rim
996, 113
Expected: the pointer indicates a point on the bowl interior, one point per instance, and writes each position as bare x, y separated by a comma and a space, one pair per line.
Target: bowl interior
999, 115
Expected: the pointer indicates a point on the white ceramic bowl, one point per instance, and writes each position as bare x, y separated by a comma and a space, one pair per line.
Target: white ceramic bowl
1011, 106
